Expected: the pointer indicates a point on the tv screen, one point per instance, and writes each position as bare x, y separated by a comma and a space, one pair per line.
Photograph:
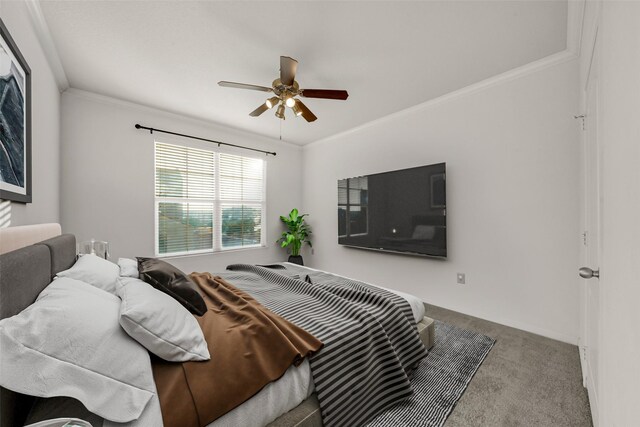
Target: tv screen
401, 211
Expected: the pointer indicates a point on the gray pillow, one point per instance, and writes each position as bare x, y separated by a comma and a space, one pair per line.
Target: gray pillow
160, 323
95, 271
128, 267
69, 343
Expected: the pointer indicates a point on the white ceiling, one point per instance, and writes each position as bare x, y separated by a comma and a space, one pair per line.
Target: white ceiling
388, 55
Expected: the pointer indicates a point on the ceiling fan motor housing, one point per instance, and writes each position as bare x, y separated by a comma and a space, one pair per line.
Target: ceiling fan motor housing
284, 91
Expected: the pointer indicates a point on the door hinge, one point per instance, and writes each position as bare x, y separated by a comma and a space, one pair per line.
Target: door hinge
581, 117
584, 238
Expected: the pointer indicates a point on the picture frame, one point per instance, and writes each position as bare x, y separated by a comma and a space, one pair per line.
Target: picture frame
15, 121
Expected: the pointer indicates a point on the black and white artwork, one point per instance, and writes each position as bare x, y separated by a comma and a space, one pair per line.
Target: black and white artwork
15, 121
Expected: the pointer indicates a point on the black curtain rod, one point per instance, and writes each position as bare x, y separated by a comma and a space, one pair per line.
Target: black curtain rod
151, 130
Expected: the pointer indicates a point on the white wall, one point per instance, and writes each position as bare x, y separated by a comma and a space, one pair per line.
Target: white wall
512, 154
45, 101
620, 147
108, 177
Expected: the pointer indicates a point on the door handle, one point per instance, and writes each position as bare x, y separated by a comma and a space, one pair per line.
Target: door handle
587, 273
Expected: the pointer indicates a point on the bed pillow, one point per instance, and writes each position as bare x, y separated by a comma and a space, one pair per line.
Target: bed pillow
170, 280
95, 271
128, 267
160, 323
70, 343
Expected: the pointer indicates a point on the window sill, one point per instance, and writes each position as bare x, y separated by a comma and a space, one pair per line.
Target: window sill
209, 253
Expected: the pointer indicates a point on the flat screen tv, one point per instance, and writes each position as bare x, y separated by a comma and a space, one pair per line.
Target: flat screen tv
402, 211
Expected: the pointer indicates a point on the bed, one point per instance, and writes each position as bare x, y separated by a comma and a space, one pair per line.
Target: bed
34, 265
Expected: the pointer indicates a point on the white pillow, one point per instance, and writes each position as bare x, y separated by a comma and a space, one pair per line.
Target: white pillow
128, 267
69, 343
160, 323
95, 271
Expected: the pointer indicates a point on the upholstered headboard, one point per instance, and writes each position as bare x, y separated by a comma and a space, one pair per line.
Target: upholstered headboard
12, 238
25, 272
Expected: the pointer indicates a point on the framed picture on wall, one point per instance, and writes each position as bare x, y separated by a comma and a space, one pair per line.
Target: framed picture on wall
15, 121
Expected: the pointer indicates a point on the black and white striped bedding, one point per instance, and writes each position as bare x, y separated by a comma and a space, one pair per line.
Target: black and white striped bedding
371, 344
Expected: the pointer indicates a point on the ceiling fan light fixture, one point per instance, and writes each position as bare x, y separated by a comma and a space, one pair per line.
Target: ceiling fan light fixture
288, 93
273, 101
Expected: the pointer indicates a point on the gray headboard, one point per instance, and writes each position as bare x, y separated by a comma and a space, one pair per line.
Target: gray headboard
24, 273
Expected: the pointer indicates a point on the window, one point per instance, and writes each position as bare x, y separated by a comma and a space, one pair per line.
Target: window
353, 206
207, 201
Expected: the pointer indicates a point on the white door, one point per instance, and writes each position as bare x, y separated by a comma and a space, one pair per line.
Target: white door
592, 241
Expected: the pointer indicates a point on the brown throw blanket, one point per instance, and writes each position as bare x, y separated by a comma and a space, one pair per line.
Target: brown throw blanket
250, 346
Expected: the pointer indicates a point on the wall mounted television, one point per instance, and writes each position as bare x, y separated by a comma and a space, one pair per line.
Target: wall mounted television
403, 211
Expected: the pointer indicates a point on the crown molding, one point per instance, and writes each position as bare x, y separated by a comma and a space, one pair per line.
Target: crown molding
108, 100
46, 41
575, 24
516, 73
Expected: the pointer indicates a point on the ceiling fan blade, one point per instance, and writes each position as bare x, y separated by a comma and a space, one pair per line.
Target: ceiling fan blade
288, 68
325, 94
245, 86
306, 113
261, 109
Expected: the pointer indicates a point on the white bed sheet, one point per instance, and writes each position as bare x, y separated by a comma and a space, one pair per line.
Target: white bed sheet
417, 306
274, 399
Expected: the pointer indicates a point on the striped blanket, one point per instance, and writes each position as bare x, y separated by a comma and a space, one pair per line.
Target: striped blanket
371, 344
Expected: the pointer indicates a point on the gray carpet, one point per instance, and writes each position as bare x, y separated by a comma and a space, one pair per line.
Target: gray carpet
440, 379
526, 380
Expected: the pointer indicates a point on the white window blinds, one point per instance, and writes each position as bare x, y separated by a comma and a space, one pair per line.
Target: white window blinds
207, 201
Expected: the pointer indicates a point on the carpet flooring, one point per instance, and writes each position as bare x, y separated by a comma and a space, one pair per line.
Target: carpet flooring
525, 380
440, 379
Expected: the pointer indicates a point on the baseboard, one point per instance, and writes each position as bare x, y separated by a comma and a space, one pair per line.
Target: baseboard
593, 397
555, 335
548, 333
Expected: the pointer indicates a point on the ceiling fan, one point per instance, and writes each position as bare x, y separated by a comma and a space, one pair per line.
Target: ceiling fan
286, 89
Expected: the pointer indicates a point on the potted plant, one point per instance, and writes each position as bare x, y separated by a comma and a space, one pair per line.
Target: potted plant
297, 234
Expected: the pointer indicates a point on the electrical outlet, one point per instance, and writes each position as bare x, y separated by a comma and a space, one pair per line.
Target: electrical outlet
461, 278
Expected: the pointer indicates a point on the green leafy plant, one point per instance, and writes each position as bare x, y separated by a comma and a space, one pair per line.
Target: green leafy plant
297, 233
